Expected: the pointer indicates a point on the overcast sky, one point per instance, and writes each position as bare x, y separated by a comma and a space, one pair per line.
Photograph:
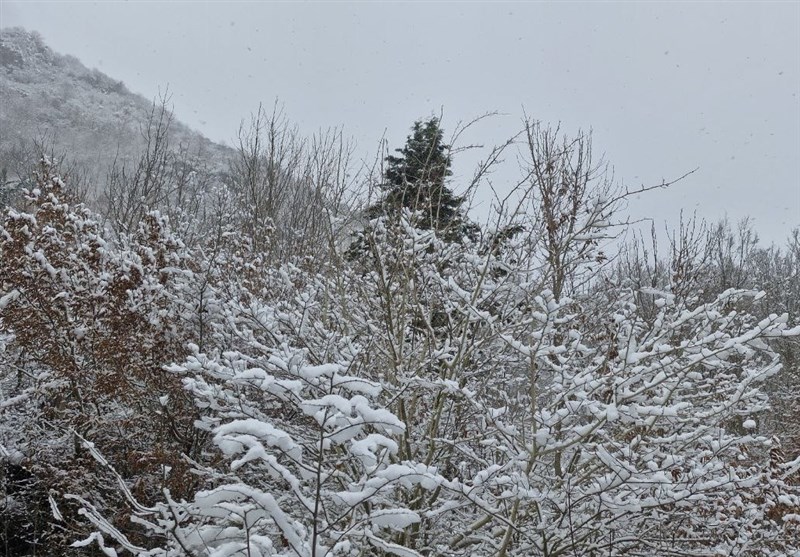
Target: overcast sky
665, 87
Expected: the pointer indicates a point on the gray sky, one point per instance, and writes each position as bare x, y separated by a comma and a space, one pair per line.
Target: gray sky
665, 87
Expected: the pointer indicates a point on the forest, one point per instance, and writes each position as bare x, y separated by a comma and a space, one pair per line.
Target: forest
307, 355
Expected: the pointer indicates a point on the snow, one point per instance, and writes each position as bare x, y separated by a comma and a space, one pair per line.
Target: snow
391, 548
8, 298
233, 436
397, 519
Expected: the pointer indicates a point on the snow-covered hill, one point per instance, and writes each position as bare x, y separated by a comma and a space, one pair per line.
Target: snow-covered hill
74, 110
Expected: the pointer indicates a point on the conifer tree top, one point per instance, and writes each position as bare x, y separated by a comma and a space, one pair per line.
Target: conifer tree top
423, 160
416, 180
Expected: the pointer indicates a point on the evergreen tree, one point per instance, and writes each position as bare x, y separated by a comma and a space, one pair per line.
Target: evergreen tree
416, 180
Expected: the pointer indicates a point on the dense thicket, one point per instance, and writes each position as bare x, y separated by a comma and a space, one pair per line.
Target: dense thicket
206, 369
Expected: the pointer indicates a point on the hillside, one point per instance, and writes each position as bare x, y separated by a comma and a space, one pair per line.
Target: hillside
76, 111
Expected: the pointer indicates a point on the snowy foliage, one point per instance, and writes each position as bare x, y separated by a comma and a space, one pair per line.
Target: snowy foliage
504, 395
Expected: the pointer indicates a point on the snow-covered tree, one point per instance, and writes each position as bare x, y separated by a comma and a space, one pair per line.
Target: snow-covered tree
92, 321
504, 395
311, 456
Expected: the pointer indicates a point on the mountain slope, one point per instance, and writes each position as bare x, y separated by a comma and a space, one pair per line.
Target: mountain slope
92, 118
